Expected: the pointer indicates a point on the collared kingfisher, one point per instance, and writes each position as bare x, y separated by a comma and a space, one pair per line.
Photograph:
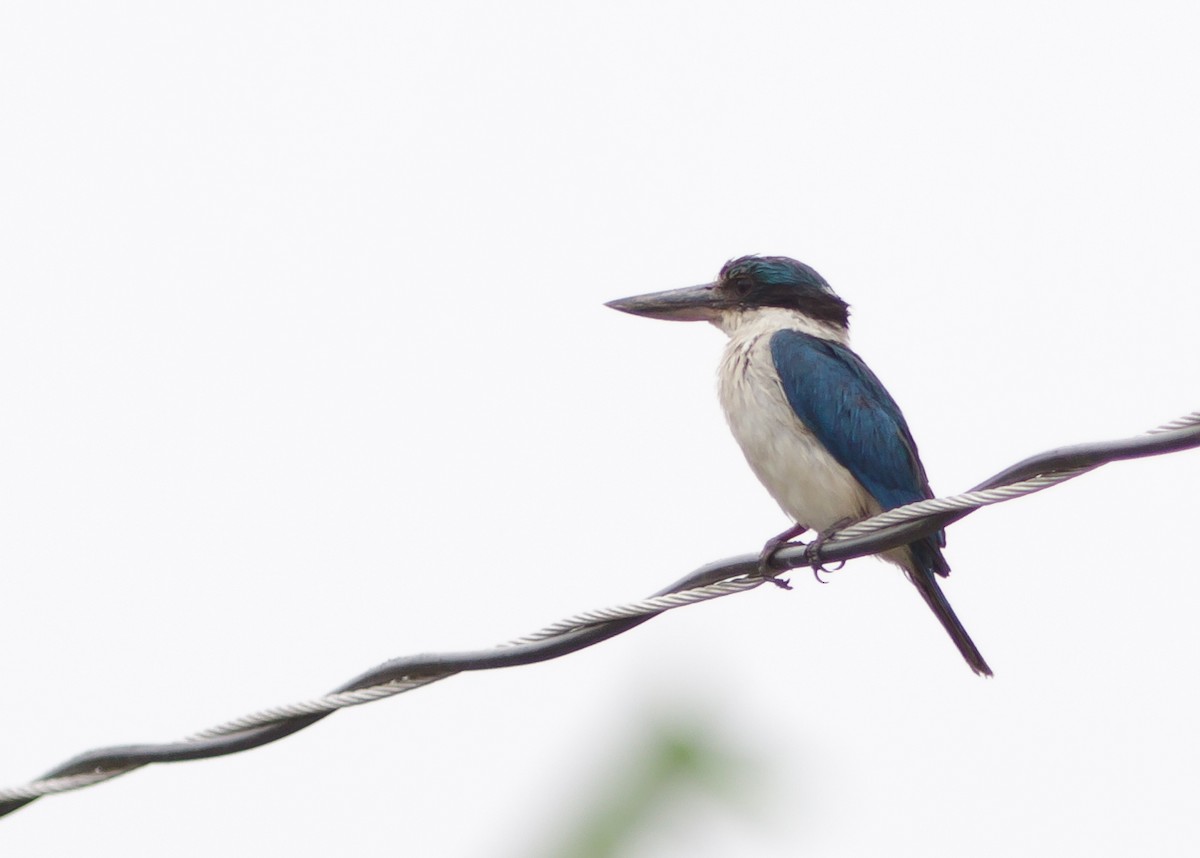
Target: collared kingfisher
816, 426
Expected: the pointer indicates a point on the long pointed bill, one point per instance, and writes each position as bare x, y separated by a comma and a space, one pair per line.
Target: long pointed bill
693, 304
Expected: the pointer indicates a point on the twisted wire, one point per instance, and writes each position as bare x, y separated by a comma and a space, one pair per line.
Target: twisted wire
733, 575
325, 703
343, 699
966, 500
653, 605
49, 786
976, 499
1179, 423
954, 506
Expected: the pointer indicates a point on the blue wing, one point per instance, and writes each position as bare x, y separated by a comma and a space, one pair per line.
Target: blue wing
849, 411
847, 408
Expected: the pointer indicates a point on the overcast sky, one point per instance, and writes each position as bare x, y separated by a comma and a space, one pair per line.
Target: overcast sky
304, 365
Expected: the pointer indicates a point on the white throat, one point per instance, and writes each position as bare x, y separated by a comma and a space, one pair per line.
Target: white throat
796, 469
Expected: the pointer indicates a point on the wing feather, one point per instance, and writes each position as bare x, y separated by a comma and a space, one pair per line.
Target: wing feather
851, 413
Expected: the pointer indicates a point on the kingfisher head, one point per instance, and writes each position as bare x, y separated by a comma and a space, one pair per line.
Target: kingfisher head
745, 285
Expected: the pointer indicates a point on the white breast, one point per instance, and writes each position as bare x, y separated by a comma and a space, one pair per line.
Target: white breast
803, 478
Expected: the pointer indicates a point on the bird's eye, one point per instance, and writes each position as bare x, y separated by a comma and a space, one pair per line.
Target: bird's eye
739, 284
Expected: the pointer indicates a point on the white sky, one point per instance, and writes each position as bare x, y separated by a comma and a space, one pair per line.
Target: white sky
304, 365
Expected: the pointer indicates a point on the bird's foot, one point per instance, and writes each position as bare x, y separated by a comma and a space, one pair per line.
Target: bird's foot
812, 551
768, 551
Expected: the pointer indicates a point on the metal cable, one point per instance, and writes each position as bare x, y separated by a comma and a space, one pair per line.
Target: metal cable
888, 530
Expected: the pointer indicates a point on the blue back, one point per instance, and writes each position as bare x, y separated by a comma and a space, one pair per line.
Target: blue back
850, 412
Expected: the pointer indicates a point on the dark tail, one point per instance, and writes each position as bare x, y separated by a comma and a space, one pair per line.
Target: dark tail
928, 560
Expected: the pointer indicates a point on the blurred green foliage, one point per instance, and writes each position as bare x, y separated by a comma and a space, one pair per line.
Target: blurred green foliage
676, 759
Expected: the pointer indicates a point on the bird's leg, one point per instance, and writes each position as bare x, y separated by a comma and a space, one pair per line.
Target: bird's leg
812, 551
768, 551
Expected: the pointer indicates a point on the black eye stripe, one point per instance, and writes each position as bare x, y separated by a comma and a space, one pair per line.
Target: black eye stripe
739, 281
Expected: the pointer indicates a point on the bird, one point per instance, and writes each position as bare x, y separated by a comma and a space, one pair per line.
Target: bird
817, 427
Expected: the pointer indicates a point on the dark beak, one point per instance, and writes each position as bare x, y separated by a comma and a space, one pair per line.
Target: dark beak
693, 304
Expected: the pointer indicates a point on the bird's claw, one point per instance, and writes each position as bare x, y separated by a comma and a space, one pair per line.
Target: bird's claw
765, 569
812, 551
